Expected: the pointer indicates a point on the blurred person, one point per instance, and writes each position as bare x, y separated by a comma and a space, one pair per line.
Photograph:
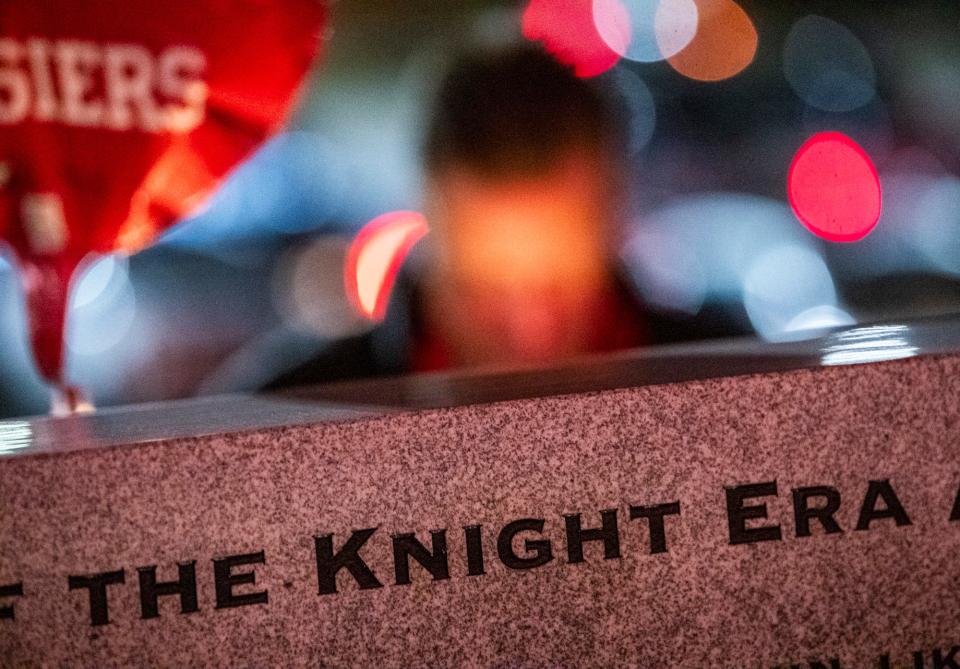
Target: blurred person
525, 182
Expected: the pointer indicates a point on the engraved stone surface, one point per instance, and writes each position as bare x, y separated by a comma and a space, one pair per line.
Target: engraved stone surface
625, 528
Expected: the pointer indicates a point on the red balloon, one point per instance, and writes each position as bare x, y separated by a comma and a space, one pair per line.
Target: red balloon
118, 117
834, 188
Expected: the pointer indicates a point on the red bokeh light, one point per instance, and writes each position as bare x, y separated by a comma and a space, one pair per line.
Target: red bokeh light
834, 188
567, 30
375, 257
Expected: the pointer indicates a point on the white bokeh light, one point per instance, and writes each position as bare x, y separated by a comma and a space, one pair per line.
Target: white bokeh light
309, 291
827, 66
98, 280
102, 307
698, 248
784, 287
646, 31
936, 233
669, 273
816, 320
641, 107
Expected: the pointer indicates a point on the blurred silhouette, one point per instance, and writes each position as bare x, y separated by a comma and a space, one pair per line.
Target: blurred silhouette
525, 176
525, 172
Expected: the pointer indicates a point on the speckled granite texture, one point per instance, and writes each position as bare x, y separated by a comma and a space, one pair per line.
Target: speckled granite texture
852, 596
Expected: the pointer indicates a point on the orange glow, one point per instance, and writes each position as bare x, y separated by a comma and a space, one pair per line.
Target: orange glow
566, 28
725, 43
522, 234
375, 257
177, 184
519, 265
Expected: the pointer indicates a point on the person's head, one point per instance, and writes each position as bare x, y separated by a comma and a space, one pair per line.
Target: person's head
524, 176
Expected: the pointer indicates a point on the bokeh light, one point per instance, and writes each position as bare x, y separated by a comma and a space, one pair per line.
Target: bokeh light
641, 108
936, 232
816, 320
567, 30
911, 211
375, 257
102, 307
834, 188
784, 286
699, 248
99, 280
21, 389
827, 66
308, 290
725, 43
645, 31
668, 271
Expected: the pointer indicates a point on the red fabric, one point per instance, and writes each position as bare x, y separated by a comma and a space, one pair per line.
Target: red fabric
123, 165
616, 320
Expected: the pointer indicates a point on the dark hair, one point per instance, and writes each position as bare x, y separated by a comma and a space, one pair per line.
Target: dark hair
516, 111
